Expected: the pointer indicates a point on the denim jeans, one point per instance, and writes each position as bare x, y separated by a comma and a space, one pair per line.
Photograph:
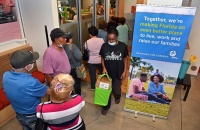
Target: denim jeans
154, 98
167, 100
27, 121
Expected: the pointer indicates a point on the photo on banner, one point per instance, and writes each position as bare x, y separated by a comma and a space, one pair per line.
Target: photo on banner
156, 82
10, 22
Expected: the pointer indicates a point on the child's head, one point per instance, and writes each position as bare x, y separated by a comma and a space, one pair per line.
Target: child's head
61, 87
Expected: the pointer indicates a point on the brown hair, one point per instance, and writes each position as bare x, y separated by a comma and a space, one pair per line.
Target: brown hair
102, 24
61, 87
113, 18
122, 20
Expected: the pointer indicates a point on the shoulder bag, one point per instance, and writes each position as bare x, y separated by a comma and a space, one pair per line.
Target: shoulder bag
40, 124
80, 70
86, 53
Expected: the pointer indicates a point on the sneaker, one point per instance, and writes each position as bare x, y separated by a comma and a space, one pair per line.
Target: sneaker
103, 112
117, 101
168, 103
92, 89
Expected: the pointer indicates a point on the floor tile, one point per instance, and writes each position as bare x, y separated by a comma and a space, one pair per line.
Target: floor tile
90, 113
99, 125
123, 123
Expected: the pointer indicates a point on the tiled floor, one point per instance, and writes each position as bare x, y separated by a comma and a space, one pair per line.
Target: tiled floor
182, 115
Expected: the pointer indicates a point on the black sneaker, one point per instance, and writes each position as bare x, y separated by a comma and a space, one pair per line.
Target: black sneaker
117, 101
103, 112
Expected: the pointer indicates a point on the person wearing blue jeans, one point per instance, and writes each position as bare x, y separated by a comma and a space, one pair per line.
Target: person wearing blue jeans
27, 120
157, 88
24, 91
137, 87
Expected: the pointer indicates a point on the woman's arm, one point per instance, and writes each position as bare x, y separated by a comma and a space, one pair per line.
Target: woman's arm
162, 89
125, 55
125, 68
103, 65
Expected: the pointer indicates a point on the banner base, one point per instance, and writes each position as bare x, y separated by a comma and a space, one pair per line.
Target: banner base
146, 114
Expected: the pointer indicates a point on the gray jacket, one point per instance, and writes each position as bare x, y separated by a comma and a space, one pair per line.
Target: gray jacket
76, 54
103, 34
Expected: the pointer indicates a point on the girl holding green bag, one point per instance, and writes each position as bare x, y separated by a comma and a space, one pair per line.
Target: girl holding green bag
114, 61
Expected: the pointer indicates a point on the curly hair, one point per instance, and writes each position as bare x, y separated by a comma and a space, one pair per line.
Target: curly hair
102, 24
160, 77
113, 18
122, 20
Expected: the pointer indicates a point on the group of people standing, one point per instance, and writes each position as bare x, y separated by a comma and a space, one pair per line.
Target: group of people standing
25, 92
107, 53
122, 28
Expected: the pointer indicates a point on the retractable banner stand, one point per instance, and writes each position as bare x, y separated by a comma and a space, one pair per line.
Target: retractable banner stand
160, 38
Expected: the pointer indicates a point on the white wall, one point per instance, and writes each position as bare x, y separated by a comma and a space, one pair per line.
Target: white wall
194, 39
35, 15
128, 4
165, 2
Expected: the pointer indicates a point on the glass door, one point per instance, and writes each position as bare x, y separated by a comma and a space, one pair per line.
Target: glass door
100, 11
87, 18
78, 15
112, 7
68, 18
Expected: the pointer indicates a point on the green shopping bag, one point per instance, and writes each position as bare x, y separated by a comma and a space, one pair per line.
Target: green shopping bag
103, 88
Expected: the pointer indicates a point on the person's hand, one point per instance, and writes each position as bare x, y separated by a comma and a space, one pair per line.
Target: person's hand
164, 96
105, 71
159, 93
123, 75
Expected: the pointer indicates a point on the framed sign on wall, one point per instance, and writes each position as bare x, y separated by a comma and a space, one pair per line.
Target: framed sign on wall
10, 22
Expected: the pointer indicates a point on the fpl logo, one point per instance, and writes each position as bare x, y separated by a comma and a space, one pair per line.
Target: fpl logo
173, 54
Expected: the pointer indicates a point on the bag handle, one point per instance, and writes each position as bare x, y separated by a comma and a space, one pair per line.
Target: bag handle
41, 116
102, 75
129, 28
71, 55
86, 45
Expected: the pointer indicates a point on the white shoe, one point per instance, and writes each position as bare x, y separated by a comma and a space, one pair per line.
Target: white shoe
92, 89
